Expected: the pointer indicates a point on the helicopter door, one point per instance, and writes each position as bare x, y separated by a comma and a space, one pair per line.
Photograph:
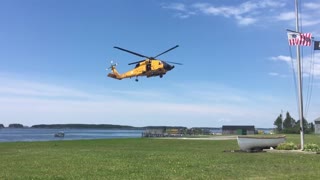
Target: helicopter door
148, 67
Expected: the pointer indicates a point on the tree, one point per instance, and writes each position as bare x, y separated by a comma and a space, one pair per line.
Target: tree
15, 126
288, 124
296, 128
311, 127
278, 122
307, 127
1, 126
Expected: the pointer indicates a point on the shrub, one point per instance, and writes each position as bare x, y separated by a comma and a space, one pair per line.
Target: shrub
287, 146
311, 147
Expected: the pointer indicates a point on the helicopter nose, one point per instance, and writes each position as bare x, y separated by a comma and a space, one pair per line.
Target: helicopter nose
168, 67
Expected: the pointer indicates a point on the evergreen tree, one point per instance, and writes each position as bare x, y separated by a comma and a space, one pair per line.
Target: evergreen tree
296, 128
306, 126
311, 127
289, 124
278, 123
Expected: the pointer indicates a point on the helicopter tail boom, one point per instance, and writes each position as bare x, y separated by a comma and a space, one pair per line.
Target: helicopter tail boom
114, 73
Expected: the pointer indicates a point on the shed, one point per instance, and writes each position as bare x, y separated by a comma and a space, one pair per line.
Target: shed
154, 132
238, 130
317, 126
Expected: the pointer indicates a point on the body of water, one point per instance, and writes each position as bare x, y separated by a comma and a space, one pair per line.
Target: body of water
39, 134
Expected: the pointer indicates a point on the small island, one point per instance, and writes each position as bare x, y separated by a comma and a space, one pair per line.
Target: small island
16, 125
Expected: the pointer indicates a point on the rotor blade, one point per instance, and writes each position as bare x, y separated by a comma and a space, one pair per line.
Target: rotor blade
173, 62
166, 51
136, 62
137, 54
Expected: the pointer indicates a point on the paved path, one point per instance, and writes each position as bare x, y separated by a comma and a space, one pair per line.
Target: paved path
204, 138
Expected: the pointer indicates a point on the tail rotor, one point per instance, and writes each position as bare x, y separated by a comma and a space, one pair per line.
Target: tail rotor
112, 65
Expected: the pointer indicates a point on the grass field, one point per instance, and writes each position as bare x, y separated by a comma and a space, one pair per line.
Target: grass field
151, 159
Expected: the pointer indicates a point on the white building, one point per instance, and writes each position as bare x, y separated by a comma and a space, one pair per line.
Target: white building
317, 126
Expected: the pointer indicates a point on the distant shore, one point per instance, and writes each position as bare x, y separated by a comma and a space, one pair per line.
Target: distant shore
89, 126
84, 126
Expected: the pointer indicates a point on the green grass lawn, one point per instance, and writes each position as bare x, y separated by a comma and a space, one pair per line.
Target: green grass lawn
152, 159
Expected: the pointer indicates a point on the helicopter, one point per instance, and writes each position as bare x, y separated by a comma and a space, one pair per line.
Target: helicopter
149, 67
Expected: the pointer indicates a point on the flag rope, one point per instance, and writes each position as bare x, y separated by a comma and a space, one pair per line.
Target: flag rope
310, 83
294, 77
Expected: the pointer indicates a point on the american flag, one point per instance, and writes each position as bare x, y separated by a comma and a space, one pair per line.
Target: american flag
300, 39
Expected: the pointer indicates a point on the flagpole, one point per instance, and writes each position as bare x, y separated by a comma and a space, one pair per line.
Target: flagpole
299, 79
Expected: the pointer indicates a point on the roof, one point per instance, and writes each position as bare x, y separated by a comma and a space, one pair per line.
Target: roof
237, 127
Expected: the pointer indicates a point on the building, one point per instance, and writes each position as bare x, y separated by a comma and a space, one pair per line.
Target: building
317, 126
163, 131
153, 132
238, 130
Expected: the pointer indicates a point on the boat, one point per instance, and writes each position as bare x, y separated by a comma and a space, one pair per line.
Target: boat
258, 143
59, 134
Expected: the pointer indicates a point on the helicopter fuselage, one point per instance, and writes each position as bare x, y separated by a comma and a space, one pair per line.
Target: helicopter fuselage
148, 68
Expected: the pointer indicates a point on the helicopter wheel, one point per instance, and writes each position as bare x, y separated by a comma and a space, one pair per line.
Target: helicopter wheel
161, 76
137, 80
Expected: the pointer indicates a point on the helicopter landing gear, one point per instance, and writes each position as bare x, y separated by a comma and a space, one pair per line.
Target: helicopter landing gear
137, 79
161, 76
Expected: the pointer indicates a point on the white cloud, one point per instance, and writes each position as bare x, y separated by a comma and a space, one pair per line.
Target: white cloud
182, 16
245, 20
249, 12
308, 22
271, 3
183, 12
273, 74
311, 64
310, 76
212, 10
312, 5
46, 103
281, 58
175, 6
116, 112
286, 16
307, 15
25, 88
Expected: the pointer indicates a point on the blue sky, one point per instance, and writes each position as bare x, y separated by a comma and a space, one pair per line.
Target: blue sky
237, 67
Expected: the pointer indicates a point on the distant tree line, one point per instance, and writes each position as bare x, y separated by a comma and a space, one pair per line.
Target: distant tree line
100, 126
164, 127
15, 126
83, 126
184, 130
181, 129
291, 126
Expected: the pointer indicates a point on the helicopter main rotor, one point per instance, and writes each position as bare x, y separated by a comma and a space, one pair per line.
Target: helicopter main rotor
137, 54
166, 51
149, 58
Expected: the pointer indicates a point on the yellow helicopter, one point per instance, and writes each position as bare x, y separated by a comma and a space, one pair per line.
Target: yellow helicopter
148, 67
